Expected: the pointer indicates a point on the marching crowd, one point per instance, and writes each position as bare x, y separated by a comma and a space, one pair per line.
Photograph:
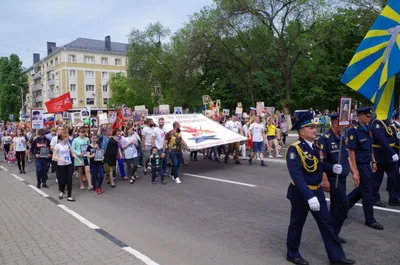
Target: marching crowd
94, 155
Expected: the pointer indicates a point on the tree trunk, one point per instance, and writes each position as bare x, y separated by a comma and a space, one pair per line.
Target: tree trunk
253, 100
286, 107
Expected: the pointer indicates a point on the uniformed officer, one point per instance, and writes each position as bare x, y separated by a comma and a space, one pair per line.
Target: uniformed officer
386, 158
329, 144
305, 193
361, 157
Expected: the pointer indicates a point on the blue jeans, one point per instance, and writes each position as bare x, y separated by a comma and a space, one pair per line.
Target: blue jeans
140, 154
164, 163
42, 165
97, 172
213, 151
322, 130
121, 168
176, 158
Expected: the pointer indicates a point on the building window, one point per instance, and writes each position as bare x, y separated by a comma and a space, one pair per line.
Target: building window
105, 88
89, 88
105, 101
72, 88
117, 61
104, 75
89, 59
73, 101
104, 61
126, 61
52, 63
72, 59
89, 74
56, 60
72, 73
56, 76
90, 101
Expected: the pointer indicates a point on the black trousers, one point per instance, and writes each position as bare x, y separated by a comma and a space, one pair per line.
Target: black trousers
20, 159
64, 176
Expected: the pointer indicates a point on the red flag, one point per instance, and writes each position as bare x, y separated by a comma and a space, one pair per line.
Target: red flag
119, 121
59, 104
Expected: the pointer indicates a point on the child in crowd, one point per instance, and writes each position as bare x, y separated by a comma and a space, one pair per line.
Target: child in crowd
155, 161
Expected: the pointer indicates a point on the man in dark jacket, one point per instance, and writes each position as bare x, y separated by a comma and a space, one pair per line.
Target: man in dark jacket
41, 150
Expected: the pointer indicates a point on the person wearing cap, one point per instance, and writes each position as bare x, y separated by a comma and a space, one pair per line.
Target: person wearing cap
305, 193
331, 147
361, 158
384, 141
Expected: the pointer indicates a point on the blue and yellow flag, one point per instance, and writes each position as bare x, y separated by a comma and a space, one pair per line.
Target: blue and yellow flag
372, 70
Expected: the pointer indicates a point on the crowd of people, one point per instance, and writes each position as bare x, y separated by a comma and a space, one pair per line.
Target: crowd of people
93, 156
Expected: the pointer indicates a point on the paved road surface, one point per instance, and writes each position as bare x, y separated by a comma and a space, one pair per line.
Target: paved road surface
33, 230
207, 221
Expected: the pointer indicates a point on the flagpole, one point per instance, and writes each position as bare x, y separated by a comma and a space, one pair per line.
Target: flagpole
340, 155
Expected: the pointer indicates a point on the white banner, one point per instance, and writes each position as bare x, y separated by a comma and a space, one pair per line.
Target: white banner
200, 132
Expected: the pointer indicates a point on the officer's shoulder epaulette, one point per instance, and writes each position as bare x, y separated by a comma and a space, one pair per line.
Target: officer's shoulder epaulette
295, 143
355, 127
327, 135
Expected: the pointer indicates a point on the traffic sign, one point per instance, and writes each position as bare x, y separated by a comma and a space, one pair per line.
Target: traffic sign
11, 117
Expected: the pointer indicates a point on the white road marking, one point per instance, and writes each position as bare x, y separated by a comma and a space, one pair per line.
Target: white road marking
17, 177
376, 208
39, 191
269, 160
79, 217
140, 256
221, 180
4, 168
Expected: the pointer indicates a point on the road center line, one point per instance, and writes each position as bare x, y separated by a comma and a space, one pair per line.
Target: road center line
140, 256
79, 217
17, 177
4, 168
39, 191
221, 180
376, 208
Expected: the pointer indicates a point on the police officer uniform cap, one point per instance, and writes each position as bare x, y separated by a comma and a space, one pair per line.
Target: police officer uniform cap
364, 110
333, 116
305, 119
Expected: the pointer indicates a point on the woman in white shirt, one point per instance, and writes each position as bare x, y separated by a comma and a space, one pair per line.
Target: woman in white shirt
128, 145
19, 146
62, 154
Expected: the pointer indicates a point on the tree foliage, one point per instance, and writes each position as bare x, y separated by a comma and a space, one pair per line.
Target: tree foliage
290, 54
11, 72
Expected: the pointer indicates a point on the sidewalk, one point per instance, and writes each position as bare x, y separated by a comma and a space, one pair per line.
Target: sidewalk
34, 230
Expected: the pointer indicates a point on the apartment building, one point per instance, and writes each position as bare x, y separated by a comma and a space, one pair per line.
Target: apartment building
82, 67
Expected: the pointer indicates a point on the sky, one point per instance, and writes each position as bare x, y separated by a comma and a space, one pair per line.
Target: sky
26, 25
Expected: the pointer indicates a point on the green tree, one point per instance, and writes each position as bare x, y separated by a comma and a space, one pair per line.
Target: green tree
10, 96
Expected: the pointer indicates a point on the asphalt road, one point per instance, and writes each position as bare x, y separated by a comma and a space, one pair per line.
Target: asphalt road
208, 221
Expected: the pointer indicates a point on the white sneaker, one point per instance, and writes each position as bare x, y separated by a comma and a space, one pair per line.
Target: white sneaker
270, 156
178, 181
278, 156
172, 177
258, 158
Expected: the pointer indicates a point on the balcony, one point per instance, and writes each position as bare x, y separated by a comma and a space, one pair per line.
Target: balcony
51, 94
50, 82
38, 99
37, 87
50, 68
37, 76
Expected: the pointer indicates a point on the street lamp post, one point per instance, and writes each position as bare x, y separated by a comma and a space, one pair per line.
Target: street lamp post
22, 98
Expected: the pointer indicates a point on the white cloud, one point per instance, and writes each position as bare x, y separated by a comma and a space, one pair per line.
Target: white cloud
29, 24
